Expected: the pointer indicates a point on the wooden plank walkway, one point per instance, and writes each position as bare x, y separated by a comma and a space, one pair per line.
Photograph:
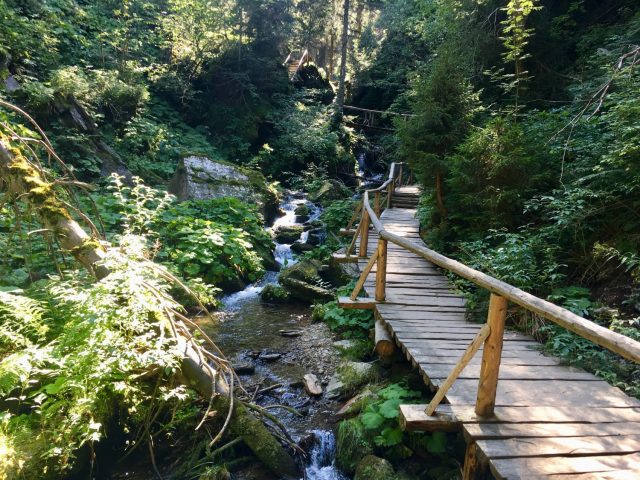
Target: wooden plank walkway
551, 421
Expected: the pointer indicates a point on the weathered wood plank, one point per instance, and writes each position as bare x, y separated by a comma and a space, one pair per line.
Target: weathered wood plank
564, 446
524, 467
527, 415
489, 431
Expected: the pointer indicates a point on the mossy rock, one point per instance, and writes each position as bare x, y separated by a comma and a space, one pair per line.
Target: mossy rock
305, 271
329, 191
374, 468
354, 375
274, 294
288, 234
302, 209
352, 445
215, 473
300, 280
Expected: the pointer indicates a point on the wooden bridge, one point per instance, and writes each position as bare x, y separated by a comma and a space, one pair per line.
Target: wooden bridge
523, 414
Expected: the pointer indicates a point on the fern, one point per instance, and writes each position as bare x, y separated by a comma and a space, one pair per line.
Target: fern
22, 321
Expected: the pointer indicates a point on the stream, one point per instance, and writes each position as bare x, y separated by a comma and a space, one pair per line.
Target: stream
249, 332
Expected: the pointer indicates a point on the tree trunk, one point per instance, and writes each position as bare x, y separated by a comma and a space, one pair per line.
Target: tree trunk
440, 197
343, 60
21, 180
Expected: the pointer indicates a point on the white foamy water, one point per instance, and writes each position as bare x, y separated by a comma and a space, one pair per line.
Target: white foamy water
322, 458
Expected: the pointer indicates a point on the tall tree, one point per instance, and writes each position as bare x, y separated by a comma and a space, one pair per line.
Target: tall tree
343, 60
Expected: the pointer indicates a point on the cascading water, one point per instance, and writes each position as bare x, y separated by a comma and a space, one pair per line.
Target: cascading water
248, 325
322, 458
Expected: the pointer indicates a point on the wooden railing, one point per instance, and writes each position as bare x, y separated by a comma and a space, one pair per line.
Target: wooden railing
303, 58
491, 333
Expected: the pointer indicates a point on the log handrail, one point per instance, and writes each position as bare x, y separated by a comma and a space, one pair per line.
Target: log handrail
501, 293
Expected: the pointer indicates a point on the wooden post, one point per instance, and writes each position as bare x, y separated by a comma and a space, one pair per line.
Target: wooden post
389, 194
364, 234
400, 176
491, 356
471, 350
381, 272
470, 468
376, 204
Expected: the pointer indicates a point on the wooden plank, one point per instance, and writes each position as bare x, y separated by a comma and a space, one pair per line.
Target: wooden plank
488, 431
534, 414
552, 393
362, 303
513, 372
553, 447
524, 467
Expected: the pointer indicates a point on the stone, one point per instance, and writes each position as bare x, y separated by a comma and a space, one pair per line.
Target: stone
353, 375
316, 236
300, 247
291, 333
300, 280
374, 468
244, 369
351, 407
335, 388
329, 191
312, 385
200, 178
273, 293
288, 234
270, 357
302, 210
345, 344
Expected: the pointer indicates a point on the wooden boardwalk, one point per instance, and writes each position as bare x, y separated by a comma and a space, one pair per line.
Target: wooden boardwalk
550, 420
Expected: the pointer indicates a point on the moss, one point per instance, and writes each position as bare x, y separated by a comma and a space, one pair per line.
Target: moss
352, 445
357, 350
274, 294
356, 374
374, 468
215, 473
26, 182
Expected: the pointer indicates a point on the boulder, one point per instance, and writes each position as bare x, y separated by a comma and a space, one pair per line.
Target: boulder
200, 178
316, 236
300, 247
312, 385
329, 191
374, 468
349, 377
273, 293
300, 280
288, 234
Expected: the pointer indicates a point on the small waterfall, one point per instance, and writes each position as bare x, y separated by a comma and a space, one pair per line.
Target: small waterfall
322, 458
282, 253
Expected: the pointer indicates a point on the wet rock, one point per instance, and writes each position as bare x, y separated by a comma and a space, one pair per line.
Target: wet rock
302, 209
301, 281
353, 405
300, 247
290, 333
288, 234
311, 225
273, 293
316, 236
374, 468
349, 377
307, 441
270, 357
312, 385
345, 344
335, 388
200, 178
329, 191
244, 369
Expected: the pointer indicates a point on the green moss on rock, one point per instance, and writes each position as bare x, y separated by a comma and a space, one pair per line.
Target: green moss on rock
374, 468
